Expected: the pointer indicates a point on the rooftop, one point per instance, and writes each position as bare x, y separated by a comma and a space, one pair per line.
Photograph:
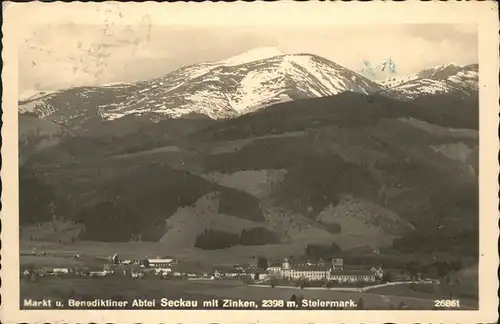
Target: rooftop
161, 260
304, 267
353, 272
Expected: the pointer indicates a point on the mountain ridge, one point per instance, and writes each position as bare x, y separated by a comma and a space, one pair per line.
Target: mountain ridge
216, 89
441, 79
236, 86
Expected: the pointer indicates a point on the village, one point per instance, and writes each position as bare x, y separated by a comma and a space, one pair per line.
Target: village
282, 272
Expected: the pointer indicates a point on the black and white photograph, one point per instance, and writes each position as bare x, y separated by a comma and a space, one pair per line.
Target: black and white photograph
248, 166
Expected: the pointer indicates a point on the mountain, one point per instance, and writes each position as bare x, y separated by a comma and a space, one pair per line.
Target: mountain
354, 169
223, 89
448, 78
128, 135
347, 109
36, 134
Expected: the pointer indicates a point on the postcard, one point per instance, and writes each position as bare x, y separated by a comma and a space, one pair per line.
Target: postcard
264, 162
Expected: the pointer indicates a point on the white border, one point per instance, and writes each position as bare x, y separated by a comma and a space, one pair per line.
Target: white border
481, 13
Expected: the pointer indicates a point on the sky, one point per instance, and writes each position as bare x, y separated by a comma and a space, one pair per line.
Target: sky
65, 53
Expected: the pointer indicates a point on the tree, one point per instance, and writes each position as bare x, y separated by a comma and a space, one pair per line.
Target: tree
262, 263
34, 276
257, 236
246, 280
213, 239
145, 263
300, 298
387, 277
413, 286
273, 282
361, 304
317, 251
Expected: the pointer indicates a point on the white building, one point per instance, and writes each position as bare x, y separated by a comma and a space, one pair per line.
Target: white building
137, 275
274, 270
307, 271
60, 270
162, 262
337, 264
323, 271
163, 271
159, 262
351, 276
379, 273
99, 273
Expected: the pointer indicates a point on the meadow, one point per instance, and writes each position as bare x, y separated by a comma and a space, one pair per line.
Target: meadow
125, 288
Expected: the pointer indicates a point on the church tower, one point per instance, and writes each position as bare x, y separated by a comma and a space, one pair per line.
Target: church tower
286, 264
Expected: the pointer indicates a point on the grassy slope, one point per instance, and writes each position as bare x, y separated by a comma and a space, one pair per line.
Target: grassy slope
37, 134
367, 148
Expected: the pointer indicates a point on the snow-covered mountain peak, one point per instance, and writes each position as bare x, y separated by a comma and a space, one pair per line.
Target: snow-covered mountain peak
225, 89
33, 95
116, 84
445, 78
256, 54
444, 66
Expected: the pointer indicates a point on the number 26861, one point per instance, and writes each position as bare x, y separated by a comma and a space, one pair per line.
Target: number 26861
447, 303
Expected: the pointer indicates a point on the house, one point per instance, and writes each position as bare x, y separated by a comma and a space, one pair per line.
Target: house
257, 274
60, 271
234, 273
98, 273
274, 269
379, 273
45, 271
163, 271
244, 267
27, 273
228, 271
164, 262
137, 275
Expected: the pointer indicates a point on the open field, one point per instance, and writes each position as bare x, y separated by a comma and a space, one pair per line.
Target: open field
152, 288
466, 293
141, 250
50, 261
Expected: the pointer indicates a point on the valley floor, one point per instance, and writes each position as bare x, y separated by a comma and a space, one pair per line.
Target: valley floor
153, 288
140, 250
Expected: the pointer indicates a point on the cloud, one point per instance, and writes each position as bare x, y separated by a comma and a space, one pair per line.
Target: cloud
70, 54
